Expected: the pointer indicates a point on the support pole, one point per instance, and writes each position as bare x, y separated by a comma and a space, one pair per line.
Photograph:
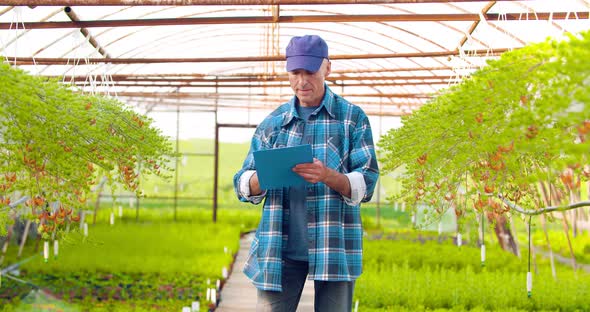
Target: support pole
24, 240
176, 162
216, 162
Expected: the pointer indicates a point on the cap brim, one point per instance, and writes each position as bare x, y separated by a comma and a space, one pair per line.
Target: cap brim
309, 63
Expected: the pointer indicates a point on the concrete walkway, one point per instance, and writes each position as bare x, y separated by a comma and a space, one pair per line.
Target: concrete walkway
238, 294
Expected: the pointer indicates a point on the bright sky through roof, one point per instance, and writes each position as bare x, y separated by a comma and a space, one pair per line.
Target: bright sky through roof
262, 39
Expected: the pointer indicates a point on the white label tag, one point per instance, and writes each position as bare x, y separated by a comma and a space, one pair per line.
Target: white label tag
45, 251
55, 248
529, 281
213, 296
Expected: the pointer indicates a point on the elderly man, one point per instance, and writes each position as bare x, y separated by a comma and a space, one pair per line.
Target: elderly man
312, 231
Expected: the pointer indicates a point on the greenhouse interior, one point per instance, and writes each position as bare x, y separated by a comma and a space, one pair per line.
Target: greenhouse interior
448, 164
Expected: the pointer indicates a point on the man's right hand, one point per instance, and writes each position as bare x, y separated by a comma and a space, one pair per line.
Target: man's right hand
255, 185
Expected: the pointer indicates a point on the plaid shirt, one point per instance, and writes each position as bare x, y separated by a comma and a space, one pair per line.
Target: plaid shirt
343, 141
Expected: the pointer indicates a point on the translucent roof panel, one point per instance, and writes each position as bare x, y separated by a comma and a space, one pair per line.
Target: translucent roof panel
390, 54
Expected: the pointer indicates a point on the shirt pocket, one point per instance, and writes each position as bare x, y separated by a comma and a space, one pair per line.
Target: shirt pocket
288, 136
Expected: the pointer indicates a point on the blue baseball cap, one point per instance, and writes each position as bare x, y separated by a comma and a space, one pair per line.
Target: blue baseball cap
306, 52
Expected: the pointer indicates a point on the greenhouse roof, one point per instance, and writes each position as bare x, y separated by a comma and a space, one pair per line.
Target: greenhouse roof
388, 56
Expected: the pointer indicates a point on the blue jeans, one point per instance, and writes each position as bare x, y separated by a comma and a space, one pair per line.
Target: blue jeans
329, 296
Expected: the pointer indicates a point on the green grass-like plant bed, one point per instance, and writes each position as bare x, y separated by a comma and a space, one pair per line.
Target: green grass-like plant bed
431, 276
145, 248
151, 266
244, 219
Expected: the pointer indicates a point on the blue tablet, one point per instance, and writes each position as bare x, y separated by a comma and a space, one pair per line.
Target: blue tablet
275, 166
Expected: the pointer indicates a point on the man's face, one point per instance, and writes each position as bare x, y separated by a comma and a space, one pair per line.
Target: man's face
308, 86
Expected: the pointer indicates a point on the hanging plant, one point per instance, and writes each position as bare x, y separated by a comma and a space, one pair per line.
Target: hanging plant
521, 121
56, 145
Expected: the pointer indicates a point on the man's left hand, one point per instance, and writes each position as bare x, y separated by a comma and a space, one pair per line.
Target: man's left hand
312, 172
317, 172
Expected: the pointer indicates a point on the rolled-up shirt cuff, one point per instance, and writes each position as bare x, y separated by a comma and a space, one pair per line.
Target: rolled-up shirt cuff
245, 187
358, 188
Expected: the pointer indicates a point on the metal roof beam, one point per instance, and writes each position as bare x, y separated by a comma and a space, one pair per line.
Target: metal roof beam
484, 12
490, 17
266, 85
91, 39
211, 108
214, 2
69, 61
193, 95
258, 104
263, 75
115, 78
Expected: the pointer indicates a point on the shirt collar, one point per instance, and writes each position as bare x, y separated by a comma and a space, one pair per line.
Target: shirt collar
327, 102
